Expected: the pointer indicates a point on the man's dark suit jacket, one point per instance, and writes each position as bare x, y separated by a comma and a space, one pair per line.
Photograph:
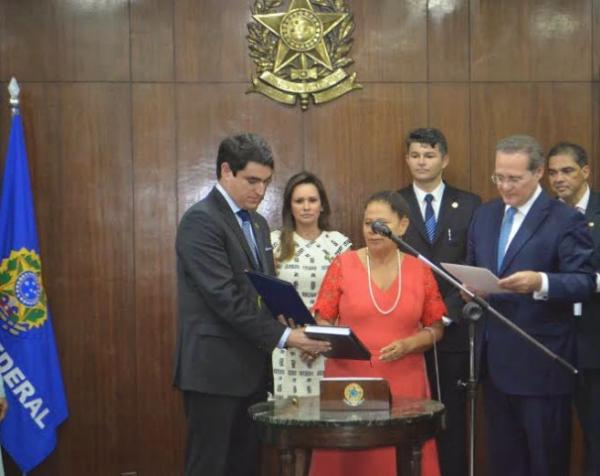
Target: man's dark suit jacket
553, 239
224, 339
449, 245
588, 325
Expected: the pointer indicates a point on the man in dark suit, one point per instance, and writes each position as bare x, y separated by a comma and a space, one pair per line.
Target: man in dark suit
224, 336
452, 209
568, 172
541, 250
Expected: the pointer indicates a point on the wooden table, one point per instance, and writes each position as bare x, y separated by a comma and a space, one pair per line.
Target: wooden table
292, 424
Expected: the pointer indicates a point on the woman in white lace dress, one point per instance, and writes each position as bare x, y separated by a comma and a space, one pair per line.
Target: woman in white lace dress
303, 249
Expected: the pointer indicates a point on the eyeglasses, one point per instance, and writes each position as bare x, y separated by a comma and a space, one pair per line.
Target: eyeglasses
510, 180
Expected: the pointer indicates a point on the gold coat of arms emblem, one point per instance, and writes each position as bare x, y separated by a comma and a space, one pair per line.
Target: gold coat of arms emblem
300, 53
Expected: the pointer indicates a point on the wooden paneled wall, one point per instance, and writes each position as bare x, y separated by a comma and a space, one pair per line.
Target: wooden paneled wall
125, 102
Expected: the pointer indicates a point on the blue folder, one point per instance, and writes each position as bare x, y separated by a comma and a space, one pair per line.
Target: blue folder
281, 297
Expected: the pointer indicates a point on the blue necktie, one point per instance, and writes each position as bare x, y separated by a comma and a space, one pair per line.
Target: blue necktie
429, 218
505, 228
247, 229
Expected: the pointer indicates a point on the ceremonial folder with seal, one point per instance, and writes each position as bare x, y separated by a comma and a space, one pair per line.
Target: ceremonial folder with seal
281, 297
344, 343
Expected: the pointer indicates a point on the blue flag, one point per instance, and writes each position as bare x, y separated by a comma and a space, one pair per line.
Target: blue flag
28, 359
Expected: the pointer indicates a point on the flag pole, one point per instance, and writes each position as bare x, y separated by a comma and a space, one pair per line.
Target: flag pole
13, 90
29, 431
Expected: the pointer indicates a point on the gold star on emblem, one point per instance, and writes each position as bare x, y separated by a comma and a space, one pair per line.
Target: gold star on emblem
301, 32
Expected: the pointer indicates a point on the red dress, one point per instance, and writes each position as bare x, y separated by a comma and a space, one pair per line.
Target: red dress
345, 293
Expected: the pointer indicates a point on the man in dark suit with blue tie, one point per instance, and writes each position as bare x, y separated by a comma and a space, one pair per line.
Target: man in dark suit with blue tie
439, 221
568, 172
224, 336
541, 249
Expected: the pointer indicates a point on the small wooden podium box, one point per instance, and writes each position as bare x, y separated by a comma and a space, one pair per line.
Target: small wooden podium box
355, 394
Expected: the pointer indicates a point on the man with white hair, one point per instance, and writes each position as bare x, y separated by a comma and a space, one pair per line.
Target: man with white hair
541, 249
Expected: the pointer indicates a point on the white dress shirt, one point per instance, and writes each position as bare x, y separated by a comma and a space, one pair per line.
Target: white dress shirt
436, 203
581, 207
235, 208
518, 220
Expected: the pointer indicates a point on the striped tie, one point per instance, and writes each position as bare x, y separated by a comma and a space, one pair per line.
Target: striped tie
429, 218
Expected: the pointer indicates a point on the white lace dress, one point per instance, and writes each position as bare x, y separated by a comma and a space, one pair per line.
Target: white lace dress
306, 270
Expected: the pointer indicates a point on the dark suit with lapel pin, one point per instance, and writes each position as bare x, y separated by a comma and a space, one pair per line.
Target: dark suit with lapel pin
224, 338
449, 245
527, 394
587, 325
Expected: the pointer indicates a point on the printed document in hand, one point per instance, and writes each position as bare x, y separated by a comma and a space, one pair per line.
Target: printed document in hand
481, 279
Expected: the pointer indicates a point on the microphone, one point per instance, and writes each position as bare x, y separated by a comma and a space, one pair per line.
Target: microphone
381, 228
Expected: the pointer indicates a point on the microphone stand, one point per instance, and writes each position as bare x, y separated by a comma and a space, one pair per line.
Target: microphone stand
472, 311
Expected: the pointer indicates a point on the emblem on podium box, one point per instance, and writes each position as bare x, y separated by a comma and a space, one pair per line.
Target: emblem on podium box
353, 394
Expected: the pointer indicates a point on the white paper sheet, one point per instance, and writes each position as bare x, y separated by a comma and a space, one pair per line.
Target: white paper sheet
480, 279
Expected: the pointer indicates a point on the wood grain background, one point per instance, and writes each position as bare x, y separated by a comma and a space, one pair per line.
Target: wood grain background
125, 102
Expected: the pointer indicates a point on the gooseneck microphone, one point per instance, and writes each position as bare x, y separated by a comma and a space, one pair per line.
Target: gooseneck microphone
472, 312
381, 228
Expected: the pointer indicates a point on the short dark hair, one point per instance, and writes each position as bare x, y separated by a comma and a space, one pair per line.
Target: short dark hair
577, 152
240, 149
526, 145
430, 136
393, 199
288, 224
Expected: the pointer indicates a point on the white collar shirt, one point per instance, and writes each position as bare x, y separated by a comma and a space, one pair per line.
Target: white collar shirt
437, 192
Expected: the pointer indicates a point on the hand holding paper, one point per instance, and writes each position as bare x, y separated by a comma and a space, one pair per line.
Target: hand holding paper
523, 282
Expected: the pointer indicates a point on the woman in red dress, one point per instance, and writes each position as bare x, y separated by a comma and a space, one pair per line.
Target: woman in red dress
392, 302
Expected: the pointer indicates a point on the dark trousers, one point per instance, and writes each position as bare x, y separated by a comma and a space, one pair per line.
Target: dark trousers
452, 443
527, 436
221, 437
587, 403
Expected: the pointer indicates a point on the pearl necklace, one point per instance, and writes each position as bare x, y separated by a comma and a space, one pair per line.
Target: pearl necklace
398, 292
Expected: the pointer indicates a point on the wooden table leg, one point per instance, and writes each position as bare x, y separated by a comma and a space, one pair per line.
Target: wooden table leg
408, 459
286, 462
303, 458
